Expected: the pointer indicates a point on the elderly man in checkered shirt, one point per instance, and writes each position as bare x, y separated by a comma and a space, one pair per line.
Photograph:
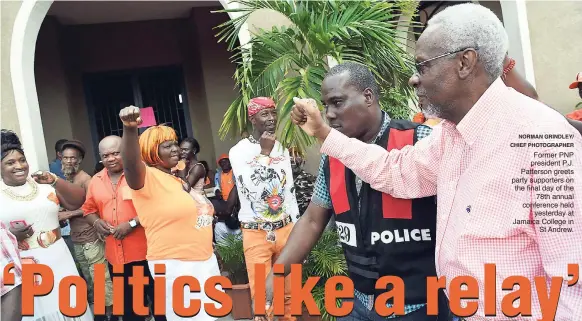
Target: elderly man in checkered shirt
11, 294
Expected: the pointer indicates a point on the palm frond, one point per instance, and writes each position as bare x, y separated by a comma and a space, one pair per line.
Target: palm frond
230, 29
274, 53
232, 256
235, 116
285, 62
325, 260
306, 84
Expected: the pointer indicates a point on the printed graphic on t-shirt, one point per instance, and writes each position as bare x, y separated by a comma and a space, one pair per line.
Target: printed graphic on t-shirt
265, 191
204, 221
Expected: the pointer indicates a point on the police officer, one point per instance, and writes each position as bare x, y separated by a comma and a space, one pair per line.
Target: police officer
380, 235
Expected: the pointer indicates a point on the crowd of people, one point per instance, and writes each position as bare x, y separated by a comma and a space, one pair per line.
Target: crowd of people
466, 80
412, 199
147, 204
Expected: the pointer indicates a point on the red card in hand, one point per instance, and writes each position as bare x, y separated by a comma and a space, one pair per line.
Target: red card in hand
147, 116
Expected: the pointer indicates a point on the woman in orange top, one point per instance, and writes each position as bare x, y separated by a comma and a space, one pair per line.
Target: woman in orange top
178, 235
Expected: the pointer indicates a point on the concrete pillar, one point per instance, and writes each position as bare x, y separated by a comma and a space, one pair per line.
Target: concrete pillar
23, 45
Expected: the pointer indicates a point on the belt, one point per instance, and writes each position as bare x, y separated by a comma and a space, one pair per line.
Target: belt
42, 239
269, 227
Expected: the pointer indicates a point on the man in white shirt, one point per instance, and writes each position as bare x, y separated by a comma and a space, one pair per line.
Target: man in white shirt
264, 182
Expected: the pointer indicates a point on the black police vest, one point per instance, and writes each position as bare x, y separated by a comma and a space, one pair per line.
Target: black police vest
384, 235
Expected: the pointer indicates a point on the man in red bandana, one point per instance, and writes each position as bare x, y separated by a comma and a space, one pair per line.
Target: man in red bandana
264, 182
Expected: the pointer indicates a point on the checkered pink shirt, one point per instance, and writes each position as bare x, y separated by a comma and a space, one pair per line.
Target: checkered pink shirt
482, 216
9, 251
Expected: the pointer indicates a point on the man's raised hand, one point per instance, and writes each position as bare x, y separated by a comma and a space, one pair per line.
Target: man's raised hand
306, 115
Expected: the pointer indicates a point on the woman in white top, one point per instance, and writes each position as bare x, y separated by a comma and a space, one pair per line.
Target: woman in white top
30, 209
194, 175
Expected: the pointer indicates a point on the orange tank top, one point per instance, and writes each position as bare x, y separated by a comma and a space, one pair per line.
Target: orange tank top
226, 184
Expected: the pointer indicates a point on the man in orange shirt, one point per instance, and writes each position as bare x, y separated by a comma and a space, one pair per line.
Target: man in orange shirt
225, 201
224, 180
108, 207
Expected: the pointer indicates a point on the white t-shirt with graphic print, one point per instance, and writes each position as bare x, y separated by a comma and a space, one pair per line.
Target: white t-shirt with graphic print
265, 184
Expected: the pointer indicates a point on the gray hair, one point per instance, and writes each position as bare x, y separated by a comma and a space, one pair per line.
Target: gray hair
471, 25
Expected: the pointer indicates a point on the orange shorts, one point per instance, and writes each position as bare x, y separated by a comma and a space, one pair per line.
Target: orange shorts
260, 251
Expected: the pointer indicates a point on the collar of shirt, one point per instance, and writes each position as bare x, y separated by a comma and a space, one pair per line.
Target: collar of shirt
385, 123
104, 174
475, 120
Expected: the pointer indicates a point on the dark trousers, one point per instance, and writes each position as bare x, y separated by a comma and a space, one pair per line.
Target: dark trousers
361, 313
219, 205
128, 314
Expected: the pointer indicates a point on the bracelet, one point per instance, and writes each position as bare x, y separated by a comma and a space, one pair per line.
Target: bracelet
96, 221
508, 68
56, 178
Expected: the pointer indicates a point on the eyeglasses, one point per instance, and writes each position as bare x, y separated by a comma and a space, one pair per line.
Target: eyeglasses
422, 63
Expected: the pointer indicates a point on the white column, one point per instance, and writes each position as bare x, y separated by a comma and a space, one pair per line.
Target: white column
244, 35
516, 24
23, 45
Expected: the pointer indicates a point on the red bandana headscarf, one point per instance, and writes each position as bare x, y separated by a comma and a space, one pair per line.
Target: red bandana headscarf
259, 103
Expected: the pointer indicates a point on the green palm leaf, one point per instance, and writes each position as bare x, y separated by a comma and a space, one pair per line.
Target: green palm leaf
285, 62
325, 260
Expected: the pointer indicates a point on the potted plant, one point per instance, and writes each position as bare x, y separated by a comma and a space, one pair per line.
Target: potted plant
231, 257
325, 260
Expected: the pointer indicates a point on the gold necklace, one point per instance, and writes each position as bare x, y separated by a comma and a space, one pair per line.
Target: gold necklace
23, 198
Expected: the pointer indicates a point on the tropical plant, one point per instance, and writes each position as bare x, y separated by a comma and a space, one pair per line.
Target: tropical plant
231, 254
287, 62
325, 260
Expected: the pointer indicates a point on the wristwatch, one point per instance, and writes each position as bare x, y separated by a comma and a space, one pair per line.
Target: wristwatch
132, 223
55, 179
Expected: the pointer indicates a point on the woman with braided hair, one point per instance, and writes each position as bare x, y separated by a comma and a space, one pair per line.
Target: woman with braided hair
30, 207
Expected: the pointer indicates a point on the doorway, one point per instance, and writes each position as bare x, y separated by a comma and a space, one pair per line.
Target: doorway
161, 88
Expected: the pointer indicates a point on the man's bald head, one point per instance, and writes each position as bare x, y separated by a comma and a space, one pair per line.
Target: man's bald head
110, 142
110, 152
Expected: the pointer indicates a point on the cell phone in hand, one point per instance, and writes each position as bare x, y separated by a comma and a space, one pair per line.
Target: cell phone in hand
19, 224
37, 174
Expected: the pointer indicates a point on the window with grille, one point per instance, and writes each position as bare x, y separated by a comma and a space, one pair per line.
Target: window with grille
160, 88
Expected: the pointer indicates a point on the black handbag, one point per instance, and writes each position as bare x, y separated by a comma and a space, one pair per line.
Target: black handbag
232, 221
